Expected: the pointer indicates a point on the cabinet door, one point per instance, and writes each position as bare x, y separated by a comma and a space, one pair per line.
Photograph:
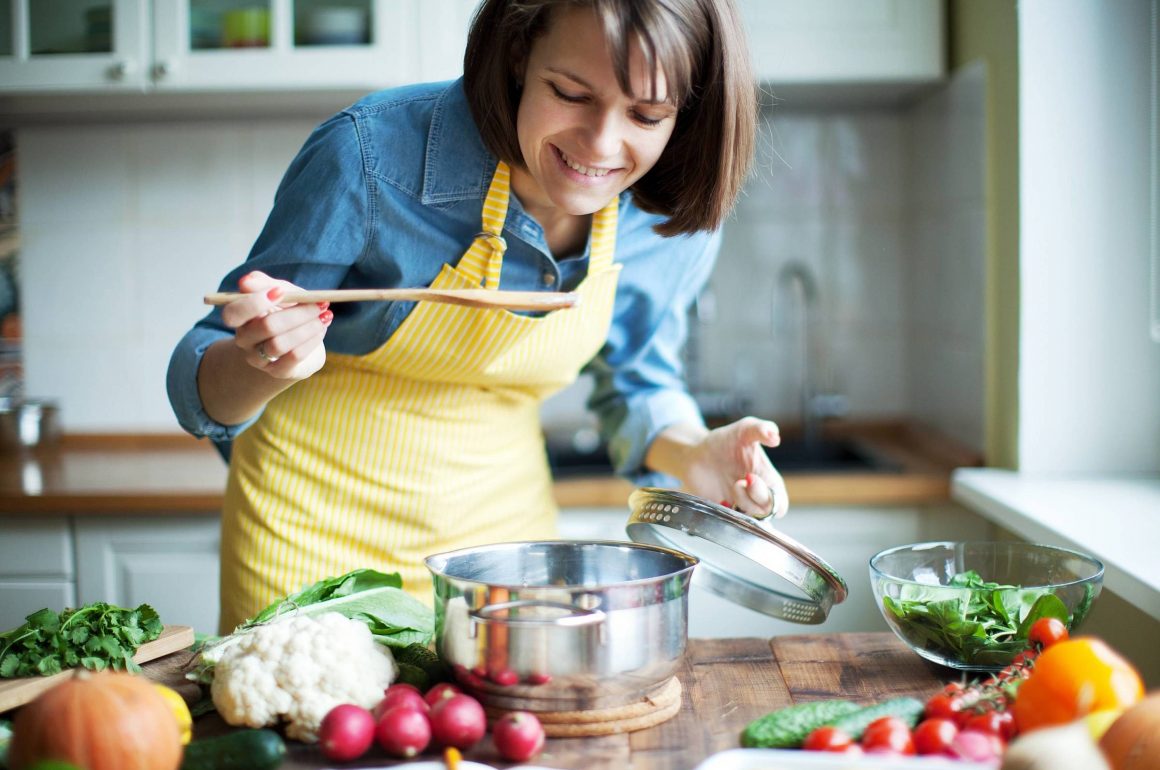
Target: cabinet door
21, 598
170, 563
845, 41
36, 547
73, 44
272, 45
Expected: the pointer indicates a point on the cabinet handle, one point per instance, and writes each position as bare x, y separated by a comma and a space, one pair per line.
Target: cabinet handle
163, 69
122, 69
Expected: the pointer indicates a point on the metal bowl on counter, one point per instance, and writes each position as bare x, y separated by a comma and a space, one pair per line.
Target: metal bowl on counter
562, 625
27, 423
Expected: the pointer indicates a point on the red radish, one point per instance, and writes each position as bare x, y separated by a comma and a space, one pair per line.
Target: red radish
539, 678
401, 695
504, 677
518, 736
403, 731
441, 691
977, 746
458, 721
347, 731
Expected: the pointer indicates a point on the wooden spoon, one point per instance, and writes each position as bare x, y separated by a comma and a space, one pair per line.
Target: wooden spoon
508, 300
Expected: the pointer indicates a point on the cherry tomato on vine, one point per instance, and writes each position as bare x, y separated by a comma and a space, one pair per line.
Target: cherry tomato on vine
888, 734
934, 736
943, 706
1000, 723
1047, 631
827, 739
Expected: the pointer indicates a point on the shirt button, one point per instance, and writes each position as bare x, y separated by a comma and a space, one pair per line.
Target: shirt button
548, 278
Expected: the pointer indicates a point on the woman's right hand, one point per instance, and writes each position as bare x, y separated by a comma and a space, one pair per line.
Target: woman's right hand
284, 341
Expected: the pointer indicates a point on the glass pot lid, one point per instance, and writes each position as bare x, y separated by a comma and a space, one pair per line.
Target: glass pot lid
749, 564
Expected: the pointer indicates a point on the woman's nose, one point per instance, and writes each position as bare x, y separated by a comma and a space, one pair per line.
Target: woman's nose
606, 135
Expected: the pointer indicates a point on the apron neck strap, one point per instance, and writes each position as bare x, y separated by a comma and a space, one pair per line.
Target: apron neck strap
484, 259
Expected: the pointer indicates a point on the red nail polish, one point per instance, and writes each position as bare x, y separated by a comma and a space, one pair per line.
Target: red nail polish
326, 316
275, 294
748, 480
725, 504
323, 305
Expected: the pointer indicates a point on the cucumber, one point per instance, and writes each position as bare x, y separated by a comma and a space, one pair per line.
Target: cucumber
786, 728
907, 709
410, 674
243, 750
420, 655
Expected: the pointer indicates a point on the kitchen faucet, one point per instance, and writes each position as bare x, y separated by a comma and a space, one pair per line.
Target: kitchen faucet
796, 279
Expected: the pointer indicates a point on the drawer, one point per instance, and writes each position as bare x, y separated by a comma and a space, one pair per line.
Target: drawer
36, 547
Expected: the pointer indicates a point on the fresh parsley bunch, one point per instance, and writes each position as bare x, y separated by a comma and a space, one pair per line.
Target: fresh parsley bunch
96, 636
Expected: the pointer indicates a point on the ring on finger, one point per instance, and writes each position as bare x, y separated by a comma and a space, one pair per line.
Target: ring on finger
262, 354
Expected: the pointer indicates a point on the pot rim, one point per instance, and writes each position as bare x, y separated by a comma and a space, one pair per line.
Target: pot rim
690, 562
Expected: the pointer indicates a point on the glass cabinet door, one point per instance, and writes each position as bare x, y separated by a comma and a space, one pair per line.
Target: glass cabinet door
69, 44
284, 44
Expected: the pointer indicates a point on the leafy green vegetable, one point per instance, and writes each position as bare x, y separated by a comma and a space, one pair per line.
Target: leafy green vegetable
984, 626
96, 636
395, 618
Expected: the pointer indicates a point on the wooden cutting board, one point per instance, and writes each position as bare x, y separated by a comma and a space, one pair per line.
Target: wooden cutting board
17, 692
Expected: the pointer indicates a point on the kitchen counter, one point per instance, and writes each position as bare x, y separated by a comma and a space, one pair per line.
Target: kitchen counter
727, 683
176, 474
1113, 519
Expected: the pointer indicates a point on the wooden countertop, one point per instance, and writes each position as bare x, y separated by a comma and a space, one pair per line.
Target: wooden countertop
727, 683
179, 475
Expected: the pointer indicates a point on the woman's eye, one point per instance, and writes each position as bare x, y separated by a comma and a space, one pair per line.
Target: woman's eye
566, 97
645, 120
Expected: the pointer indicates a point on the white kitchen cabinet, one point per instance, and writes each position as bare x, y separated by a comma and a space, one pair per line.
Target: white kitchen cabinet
844, 537
836, 42
212, 46
170, 563
36, 567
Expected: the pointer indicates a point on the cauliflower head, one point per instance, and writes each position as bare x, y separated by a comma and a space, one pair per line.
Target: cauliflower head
297, 669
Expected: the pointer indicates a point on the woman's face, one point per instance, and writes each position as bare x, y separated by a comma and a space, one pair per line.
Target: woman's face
583, 140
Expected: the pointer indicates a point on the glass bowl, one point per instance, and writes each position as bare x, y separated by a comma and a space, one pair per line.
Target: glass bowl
969, 605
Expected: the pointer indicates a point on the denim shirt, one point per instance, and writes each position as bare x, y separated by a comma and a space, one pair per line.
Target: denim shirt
385, 192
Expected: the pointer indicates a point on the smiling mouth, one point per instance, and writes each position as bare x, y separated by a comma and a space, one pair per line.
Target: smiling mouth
582, 169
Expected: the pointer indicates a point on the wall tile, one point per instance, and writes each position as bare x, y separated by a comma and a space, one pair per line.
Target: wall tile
73, 175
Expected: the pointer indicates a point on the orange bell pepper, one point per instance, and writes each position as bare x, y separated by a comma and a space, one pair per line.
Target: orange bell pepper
1072, 679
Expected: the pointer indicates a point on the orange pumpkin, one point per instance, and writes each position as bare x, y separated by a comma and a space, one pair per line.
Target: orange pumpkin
1072, 679
98, 721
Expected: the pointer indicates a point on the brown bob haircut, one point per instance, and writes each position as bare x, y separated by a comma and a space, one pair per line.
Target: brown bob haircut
698, 44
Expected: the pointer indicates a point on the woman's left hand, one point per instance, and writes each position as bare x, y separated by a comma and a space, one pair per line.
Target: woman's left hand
729, 465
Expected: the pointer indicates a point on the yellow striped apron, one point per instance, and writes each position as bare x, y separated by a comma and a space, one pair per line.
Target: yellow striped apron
431, 442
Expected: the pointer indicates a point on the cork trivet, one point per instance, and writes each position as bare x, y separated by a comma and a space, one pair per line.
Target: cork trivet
648, 712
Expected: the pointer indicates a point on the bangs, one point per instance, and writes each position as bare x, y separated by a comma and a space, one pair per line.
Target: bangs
666, 43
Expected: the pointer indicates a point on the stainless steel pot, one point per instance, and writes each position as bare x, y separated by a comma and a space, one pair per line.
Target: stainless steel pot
562, 625
27, 423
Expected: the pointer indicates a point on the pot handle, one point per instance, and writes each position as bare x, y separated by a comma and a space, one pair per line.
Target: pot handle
579, 616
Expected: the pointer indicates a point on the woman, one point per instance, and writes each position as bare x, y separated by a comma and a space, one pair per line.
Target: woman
593, 146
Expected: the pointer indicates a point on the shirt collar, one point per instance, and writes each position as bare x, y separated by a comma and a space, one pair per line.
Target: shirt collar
458, 166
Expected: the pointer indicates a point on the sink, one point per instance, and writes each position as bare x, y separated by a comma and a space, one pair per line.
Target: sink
794, 455
572, 459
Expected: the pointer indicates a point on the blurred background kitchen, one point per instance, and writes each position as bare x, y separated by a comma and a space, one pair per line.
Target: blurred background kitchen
946, 258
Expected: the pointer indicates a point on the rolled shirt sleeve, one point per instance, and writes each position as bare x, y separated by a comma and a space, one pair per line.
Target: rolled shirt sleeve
639, 377
318, 228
